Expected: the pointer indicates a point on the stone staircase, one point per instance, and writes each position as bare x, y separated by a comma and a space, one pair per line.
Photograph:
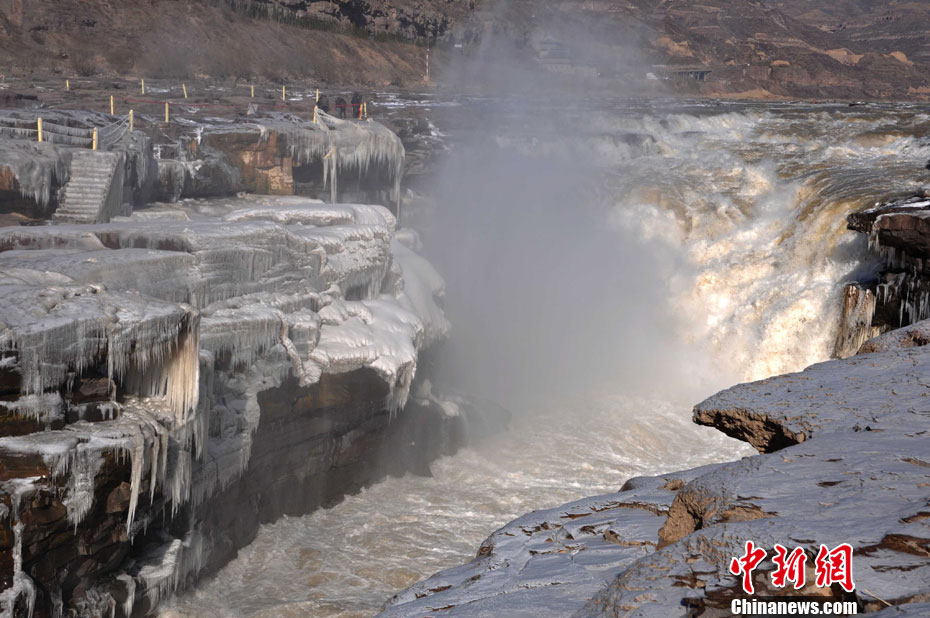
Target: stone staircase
86, 194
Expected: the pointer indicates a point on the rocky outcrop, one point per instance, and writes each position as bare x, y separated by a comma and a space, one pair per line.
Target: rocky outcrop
33, 174
282, 155
899, 294
844, 459
550, 562
170, 380
426, 21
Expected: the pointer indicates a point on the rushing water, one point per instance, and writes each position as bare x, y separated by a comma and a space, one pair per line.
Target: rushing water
737, 213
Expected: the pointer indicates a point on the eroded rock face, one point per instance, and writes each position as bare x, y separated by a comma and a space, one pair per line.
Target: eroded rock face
414, 21
913, 336
173, 379
900, 293
550, 562
844, 460
836, 396
283, 155
33, 175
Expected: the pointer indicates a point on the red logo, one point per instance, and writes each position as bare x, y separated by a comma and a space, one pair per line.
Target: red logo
835, 567
832, 566
747, 564
790, 567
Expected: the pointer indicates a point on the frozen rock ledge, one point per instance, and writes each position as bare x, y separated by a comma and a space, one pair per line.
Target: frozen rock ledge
172, 379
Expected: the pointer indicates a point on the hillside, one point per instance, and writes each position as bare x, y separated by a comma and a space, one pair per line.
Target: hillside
852, 49
777, 48
331, 41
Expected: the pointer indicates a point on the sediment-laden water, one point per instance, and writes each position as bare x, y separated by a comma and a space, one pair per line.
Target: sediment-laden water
712, 249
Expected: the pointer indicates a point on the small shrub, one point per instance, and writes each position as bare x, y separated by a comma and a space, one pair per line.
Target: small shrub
83, 63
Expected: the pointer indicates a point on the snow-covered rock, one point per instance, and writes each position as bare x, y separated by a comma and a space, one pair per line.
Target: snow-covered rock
161, 371
845, 459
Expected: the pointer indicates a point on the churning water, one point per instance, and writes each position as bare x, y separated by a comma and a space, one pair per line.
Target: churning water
728, 223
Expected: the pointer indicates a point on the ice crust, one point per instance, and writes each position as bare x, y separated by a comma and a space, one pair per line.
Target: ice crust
190, 311
343, 146
39, 170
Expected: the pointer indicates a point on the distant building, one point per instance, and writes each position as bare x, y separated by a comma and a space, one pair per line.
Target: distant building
682, 72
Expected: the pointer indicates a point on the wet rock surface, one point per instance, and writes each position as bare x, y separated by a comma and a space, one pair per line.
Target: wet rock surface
862, 221
845, 459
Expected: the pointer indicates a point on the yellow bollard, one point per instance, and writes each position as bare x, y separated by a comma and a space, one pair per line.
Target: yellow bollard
315, 118
167, 116
253, 92
184, 86
143, 86
284, 93
39, 126
112, 106
317, 95
365, 109
130, 120
67, 84
95, 139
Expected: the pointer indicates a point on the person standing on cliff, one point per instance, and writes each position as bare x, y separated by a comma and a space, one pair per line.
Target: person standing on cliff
356, 105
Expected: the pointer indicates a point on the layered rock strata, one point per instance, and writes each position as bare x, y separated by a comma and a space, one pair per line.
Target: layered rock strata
268, 154
279, 154
172, 379
34, 174
899, 294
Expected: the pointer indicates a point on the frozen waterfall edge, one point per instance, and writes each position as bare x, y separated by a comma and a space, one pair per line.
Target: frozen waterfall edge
173, 379
842, 459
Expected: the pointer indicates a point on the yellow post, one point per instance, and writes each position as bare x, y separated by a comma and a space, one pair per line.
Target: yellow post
130, 120
143, 86
95, 138
167, 116
184, 86
253, 92
284, 93
39, 126
317, 95
67, 84
315, 120
365, 109
112, 106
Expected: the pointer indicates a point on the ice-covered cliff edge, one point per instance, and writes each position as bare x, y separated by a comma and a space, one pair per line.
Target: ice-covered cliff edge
899, 292
172, 379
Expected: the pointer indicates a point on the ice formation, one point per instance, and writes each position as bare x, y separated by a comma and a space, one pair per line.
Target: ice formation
343, 147
174, 320
41, 170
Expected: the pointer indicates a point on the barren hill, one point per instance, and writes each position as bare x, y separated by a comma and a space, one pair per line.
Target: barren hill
876, 49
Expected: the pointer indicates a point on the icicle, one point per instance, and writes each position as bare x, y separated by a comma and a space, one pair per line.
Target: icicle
23, 585
85, 463
130, 592
135, 479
